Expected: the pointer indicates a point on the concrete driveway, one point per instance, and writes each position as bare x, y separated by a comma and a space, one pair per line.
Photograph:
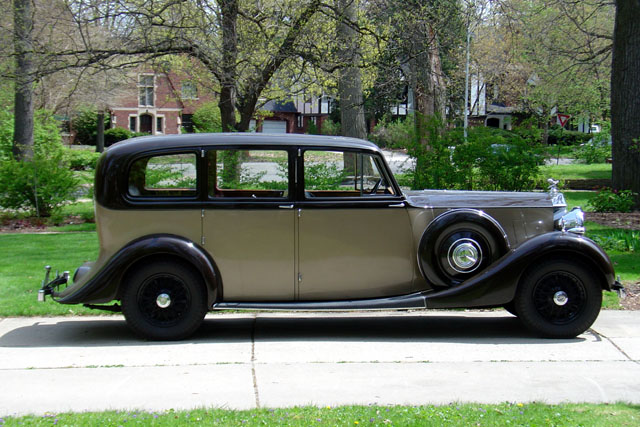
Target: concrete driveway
273, 360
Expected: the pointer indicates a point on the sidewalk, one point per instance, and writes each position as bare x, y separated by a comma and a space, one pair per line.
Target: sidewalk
245, 361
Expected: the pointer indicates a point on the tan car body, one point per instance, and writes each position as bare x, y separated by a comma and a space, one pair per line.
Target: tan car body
293, 249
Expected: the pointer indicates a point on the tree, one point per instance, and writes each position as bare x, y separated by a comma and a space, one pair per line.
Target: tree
23, 105
625, 87
349, 79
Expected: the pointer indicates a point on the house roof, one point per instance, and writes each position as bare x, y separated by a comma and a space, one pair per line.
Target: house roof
280, 107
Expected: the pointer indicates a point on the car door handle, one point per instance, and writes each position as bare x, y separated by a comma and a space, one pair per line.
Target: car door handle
286, 206
397, 205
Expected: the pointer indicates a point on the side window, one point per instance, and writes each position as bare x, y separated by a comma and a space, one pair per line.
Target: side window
166, 175
253, 174
343, 174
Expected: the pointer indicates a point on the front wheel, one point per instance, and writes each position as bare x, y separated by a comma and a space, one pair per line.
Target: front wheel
164, 301
559, 299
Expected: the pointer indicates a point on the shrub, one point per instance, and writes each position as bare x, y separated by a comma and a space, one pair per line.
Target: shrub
207, 118
81, 159
42, 185
608, 200
85, 124
597, 150
488, 159
557, 135
393, 133
113, 135
329, 127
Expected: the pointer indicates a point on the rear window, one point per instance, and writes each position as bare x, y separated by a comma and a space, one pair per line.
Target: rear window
166, 175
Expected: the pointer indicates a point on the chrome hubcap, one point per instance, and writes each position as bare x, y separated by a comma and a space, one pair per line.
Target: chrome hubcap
464, 255
560, 298
163, 300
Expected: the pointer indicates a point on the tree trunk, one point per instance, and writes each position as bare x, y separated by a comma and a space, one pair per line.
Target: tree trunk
229, 11
23, 110
100, 133
349, 79
625, 108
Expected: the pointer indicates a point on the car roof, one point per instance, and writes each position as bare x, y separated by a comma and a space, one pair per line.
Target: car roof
145, 143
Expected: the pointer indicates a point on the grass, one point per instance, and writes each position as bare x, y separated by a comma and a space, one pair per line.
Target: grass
22, 261
530, 414
579, 198
577, 171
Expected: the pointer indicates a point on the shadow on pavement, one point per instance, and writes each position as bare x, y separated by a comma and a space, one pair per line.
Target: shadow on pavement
222, 329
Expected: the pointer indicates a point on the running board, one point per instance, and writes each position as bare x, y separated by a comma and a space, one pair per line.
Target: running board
416, 301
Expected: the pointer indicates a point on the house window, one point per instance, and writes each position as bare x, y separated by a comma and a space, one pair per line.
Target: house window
159, 128
187, 123
300, 121
132, 123
145, 89
189, 90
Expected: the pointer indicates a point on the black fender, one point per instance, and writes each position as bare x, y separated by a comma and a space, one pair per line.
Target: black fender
104, 285
427, 248
497, 285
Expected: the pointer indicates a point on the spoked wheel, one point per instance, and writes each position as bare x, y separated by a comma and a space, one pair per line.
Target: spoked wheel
560, 299
164, 301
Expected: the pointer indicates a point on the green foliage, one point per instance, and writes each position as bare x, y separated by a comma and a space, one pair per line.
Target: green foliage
81, 159
85, 124
558, 135
619, 240
393, 133
40, 186
329, 127
608, 200
489, 159
312, 128
323, 176
44, 184
597, 150
529, 131
207, 118
117, 134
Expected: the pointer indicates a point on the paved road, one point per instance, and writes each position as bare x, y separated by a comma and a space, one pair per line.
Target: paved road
274, 360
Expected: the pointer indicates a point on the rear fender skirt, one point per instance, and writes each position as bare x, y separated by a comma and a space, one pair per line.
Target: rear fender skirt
497, 285
105, 283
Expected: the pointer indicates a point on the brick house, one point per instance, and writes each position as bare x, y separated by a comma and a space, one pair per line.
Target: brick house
158, 103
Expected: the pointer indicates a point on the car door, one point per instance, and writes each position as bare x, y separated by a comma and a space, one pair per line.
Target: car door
354, 235
248, 222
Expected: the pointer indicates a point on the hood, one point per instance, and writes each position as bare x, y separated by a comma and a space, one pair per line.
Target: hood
477, 199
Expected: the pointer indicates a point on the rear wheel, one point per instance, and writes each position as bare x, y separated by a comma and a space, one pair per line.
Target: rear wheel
559, 299
164, 301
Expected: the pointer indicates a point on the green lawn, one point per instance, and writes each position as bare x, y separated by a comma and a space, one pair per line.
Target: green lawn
577, 171
518, 414
22, 261
578, 198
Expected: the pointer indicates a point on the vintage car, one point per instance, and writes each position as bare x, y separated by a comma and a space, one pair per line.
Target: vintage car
192, 223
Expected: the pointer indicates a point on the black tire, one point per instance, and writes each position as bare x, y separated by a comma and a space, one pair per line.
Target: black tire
150, 287
467, 233
558, 299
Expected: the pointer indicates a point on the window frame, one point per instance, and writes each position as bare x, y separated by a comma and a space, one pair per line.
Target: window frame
156, 199
360, 199
146, 86
265, 201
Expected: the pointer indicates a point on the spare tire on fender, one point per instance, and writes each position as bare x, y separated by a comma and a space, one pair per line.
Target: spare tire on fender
458, 245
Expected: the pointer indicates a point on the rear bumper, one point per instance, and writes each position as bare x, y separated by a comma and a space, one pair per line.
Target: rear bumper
49, 287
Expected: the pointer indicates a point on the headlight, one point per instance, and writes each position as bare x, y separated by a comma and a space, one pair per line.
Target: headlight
573, 222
